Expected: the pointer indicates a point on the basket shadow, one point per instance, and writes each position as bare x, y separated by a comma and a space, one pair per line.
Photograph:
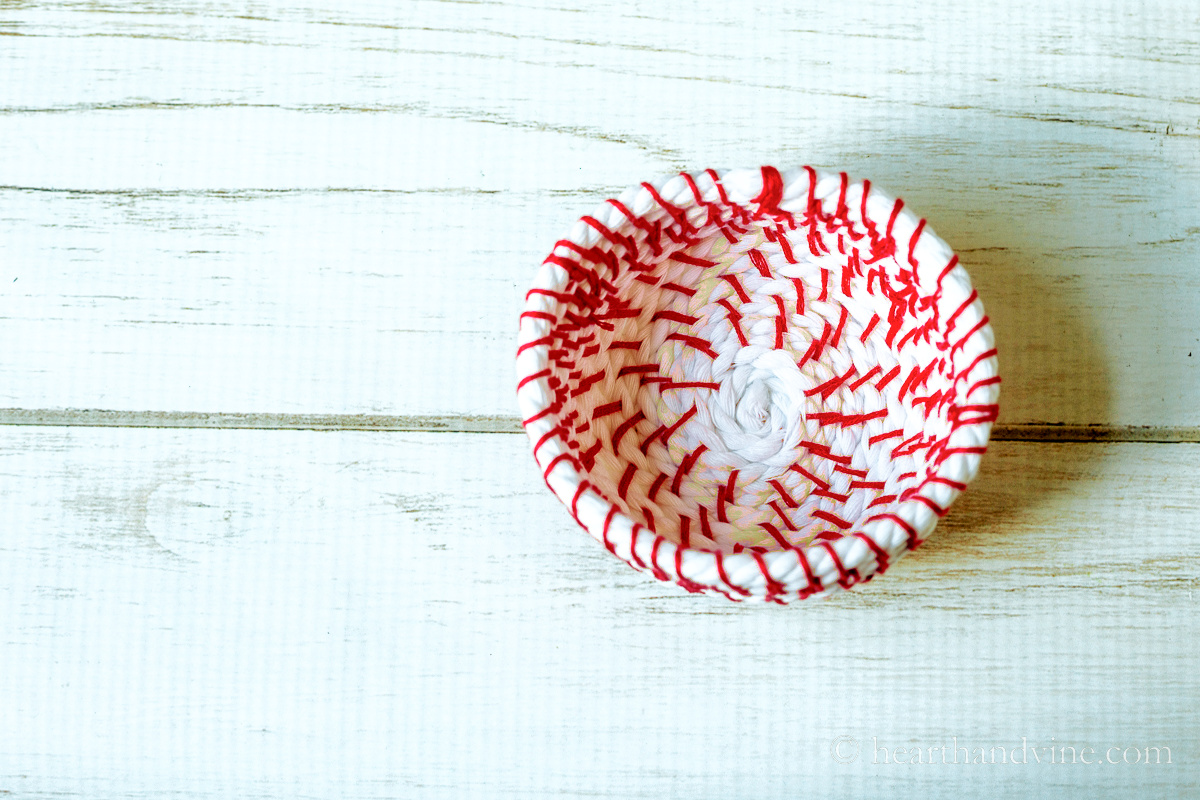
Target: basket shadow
1037, 300
1017, 478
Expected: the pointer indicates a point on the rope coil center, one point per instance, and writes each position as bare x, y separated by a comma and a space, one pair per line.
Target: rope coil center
756, 415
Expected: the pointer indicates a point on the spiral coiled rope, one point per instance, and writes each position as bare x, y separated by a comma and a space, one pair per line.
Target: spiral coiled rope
756, 384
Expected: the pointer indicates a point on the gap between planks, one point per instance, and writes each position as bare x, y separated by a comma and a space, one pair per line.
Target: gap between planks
94, 418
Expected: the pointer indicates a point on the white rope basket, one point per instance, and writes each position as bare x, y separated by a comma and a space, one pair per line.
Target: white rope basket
756, 384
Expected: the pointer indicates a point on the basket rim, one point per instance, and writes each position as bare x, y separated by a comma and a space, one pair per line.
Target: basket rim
779, 575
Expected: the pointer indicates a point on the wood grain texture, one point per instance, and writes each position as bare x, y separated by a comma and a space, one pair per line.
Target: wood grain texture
282, 613
306, 208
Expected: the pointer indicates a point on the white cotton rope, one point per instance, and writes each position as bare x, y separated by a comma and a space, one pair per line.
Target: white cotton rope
756, 384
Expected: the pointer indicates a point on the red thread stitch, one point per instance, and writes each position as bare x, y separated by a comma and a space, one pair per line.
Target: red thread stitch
686, 466
625, 427
626, 479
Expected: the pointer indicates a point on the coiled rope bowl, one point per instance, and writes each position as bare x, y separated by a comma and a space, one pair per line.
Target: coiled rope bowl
758, 384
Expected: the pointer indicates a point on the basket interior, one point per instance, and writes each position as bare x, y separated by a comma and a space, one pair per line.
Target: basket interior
742, 376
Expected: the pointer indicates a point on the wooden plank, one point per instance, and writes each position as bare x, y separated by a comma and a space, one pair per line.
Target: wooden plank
331, 210
274, 614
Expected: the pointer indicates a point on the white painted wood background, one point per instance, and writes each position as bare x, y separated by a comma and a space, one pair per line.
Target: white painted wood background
219, 216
